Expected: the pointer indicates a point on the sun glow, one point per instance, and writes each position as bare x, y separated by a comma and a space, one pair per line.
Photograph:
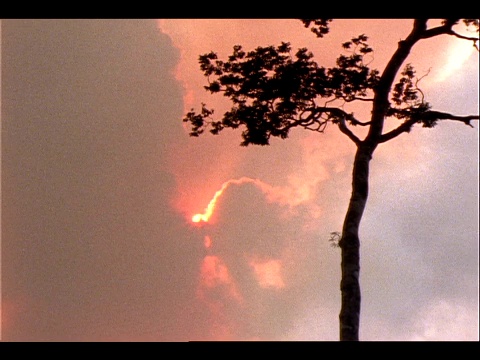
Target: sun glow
458, 54
292, 195
207, 213
205, 216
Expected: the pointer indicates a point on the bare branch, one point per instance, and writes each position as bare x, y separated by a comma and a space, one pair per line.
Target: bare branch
405, 127
437, 115
336, 115
316, 112
474, 39
341, 113
354, 98
428, 115
357, 122
446, 28
344, 129
321, 125
416, 85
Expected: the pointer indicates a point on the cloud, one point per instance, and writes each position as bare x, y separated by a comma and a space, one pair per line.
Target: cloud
214, 273
261, 248
415, 220
420, 230
445, 321
268, 273
100, 183
90, 242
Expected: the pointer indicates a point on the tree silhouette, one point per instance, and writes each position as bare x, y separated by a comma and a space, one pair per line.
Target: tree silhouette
272, 91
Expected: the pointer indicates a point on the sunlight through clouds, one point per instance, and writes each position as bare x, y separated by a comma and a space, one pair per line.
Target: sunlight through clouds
458, 53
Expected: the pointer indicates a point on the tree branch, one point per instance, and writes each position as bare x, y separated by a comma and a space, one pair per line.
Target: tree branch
405, 127
446, 28
340, 113
339, 116
354, 98
381, 103
342, 125
437, 115
430, 116
475, 40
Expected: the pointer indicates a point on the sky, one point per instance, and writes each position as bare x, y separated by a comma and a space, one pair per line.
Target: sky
118, 226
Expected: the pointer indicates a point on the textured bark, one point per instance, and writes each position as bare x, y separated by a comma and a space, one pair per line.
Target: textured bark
350, 246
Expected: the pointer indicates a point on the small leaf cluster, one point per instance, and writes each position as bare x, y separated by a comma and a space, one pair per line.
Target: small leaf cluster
335, 237
351, 77
404, 91
472, 22
408, 99
319, 27
197, 121
467, 22
419, 112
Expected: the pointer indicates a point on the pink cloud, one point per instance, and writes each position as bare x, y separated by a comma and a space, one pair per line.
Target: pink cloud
268, 273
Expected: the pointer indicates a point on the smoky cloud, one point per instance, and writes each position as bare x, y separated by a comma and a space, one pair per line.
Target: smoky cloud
100, 183
263, 279
90, 247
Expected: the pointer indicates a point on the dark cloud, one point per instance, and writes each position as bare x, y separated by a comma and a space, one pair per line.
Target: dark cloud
91, 249
248, 230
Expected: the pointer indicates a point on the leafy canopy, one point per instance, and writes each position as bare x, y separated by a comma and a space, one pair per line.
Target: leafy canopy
273, 89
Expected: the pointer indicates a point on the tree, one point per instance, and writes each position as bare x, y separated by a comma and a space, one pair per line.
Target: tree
272, 91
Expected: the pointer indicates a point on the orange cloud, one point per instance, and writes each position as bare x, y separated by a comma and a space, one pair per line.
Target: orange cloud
205, 216
10, 310
207, 241
301, 189
216, 290
214, 273
268, 273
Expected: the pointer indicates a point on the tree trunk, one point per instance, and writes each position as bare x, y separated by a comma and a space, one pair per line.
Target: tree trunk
350, 246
